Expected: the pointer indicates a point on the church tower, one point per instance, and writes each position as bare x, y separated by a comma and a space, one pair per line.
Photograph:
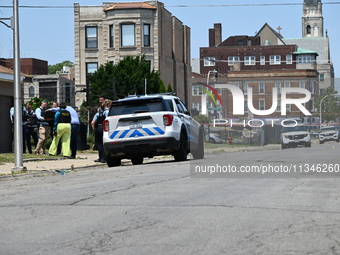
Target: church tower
312, 19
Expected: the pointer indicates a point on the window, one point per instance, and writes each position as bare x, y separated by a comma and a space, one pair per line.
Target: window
209, 61
233, 60
261, 88
278, 86
146, 34
31, 91
196, 90
246, 106
262, 104
308, 30
249, 60
287, 85
289, 59
322, 77
278, 108
262, 60
111, 34
239, 42
91, 67
245, 88
302, 84
311, 87
197, 106
128, 34
91, 37
236, 84
311, 105
304, 59
275, 60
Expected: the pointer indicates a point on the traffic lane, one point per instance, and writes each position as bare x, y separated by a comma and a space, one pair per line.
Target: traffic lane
158, 208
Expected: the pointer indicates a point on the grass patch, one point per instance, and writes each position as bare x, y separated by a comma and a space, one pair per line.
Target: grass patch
9, 157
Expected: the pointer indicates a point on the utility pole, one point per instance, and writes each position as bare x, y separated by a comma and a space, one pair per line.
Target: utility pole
18, 137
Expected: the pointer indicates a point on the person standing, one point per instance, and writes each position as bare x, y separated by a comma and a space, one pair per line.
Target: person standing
31, 128
98, 129
24, 129
75, 126
62, 132
43, 128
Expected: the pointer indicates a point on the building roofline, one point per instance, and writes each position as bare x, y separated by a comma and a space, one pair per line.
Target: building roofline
131, 5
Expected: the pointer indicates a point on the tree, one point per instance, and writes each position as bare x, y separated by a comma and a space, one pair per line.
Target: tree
330, 105
169, 88
162, 88
129, 75
53, 69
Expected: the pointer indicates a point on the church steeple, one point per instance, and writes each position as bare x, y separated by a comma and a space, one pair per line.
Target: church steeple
312, 19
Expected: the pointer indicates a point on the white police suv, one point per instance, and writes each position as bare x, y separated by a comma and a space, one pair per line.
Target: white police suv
151, 125
292, 136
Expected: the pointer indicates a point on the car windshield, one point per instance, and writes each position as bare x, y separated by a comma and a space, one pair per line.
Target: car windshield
328, 129
139, 106
294, 129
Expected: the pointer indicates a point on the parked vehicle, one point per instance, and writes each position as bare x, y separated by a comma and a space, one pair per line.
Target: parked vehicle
151, 125
214, 138
328, 133
292, 136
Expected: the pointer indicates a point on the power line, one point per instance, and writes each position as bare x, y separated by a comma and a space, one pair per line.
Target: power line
167, 6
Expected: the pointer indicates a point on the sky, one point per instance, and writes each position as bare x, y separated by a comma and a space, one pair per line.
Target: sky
47, 32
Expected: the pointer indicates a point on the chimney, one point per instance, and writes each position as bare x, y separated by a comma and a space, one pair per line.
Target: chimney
218, 33
211, 37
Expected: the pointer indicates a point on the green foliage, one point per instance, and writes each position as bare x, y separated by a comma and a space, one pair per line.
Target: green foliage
162, 87
169, 88
53, 69
36, 102
330, 105
202, 119
129, 75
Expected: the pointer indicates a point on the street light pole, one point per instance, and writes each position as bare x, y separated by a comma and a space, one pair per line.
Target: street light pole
18, 137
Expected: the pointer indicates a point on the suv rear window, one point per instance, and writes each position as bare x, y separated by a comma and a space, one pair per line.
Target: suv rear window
140, 105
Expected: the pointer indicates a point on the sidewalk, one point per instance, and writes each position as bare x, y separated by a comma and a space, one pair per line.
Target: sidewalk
86, 160
38, 165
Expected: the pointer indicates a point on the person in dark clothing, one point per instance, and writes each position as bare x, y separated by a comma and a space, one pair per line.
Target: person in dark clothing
31, 128
98, 128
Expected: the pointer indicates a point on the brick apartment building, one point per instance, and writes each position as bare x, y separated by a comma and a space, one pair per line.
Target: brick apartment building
109, 32
263, 62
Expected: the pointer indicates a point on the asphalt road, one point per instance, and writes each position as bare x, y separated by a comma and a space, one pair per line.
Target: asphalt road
168, 208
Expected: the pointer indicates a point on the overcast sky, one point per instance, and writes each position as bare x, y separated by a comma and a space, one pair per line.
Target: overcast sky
48, 33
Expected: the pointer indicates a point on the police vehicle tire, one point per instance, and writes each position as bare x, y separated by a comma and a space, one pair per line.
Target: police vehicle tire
199, 153
308, 144
113, 161
182, 152
137, 160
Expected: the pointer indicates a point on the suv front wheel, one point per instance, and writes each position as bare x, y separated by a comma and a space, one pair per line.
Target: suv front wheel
182, 152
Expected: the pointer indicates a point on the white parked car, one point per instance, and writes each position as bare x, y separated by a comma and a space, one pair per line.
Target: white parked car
151, 125
292, 136
328, 133
214, 138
